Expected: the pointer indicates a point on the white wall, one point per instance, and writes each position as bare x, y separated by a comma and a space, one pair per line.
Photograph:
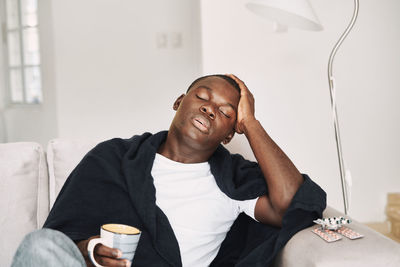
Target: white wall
287, 74
112, 79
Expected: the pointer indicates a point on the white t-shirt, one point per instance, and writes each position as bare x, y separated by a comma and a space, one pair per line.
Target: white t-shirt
199, 212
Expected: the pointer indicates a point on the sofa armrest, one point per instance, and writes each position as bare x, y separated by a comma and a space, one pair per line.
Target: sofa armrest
308, 250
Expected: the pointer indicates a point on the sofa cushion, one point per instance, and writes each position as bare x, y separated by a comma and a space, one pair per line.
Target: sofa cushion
23, 194
62, 157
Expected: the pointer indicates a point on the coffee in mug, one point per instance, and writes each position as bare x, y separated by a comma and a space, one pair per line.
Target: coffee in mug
120, 236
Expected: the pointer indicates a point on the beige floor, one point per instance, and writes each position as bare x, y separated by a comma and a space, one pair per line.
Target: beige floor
383, 228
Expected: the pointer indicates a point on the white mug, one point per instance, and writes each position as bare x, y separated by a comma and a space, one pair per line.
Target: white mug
120, 236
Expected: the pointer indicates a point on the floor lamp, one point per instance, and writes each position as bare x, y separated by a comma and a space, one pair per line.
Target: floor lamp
299, 14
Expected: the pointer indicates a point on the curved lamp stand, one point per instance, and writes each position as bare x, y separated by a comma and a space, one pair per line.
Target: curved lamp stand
344, 175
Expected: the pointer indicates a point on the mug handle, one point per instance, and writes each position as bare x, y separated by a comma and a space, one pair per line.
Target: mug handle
91, 245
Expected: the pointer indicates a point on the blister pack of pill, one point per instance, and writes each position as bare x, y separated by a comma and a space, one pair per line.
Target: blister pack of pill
332, 223
349, 233
327, 235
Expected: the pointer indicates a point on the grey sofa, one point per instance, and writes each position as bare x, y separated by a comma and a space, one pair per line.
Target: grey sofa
31, 178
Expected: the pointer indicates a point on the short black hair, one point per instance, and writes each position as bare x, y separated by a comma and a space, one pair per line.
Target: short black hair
225, 77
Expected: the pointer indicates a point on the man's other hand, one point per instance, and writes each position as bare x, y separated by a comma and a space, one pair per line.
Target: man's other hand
104, 255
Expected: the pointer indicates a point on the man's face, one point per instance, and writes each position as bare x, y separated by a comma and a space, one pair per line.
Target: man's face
206, 115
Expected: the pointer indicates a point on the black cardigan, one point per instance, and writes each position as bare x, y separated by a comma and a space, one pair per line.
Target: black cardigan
113, 184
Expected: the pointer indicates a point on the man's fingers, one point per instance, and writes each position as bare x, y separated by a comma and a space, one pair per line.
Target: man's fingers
105, 261
103, 250
239, 81
109, 256
244, 91
242, 85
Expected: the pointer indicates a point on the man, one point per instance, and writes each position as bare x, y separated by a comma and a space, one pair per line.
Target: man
185, 191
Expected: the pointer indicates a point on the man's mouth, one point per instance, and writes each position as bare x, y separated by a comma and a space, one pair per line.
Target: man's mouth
201, 123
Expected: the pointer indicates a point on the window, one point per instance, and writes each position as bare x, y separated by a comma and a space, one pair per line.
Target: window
21, 34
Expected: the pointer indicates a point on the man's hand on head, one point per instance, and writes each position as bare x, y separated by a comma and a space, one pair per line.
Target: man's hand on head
280, 174
246, 110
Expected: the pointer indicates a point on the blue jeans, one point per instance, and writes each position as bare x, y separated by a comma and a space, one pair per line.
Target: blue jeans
47, 247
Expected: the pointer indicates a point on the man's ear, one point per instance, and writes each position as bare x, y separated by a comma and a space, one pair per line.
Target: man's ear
178, 102
229, 137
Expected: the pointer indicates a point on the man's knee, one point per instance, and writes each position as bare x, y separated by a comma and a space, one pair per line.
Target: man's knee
47, 247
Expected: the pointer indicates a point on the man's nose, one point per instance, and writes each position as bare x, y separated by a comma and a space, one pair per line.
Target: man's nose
207, 109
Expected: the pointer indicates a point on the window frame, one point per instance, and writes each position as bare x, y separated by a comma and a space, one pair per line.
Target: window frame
22, 49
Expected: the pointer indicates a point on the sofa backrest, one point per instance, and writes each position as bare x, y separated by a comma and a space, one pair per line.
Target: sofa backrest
62, 157
24, 191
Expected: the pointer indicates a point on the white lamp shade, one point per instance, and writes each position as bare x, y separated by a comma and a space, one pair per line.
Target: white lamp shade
293, 13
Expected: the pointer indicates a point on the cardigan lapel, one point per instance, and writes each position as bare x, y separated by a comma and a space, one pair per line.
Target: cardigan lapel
221, 168
137, 165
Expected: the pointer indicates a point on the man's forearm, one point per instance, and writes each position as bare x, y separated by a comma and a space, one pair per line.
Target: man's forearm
282, 177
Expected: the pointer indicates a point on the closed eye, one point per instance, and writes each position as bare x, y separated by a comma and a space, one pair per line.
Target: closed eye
200, 98
225, 114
